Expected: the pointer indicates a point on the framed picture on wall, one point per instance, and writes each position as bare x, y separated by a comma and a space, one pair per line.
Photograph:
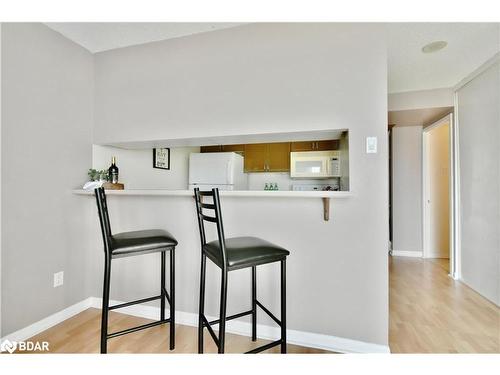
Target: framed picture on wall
161, 158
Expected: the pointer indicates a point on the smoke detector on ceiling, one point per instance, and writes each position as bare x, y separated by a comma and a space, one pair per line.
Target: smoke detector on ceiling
434, 46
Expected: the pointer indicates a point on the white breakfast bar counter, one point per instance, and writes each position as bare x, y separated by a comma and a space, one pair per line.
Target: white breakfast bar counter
325, 195
229, 193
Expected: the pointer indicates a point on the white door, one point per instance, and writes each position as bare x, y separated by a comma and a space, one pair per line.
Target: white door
437, 189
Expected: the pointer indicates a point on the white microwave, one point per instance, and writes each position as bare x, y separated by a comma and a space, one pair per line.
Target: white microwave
315, 164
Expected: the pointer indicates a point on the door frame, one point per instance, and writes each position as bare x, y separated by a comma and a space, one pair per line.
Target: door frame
453, 192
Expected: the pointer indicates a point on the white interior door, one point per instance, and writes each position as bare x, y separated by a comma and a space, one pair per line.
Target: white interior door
437, 189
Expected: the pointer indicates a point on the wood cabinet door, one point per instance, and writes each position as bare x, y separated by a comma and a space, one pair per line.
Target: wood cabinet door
327, 145
278, 159
240, 149
255, 157
331, 144
216, 148
302, 146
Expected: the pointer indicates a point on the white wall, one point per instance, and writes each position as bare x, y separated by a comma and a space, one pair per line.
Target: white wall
258, 79
136, 167
479, 137
47, 84
407, 188
421, 99
282, 78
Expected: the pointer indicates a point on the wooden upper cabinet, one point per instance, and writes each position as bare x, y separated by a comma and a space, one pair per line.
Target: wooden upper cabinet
267, 157
217, 148
240, 149
278, 159
302, 146
332, 144
255, 157
271, 157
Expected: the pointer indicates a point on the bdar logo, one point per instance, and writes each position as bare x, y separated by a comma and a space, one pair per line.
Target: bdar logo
8, 346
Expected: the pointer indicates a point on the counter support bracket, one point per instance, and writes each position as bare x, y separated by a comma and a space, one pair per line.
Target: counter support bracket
326, 209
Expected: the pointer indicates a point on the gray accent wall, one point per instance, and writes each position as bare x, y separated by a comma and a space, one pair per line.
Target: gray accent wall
47, 88
479, 139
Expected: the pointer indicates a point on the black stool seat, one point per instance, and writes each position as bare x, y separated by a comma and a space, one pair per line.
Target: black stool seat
141, 242
242, 252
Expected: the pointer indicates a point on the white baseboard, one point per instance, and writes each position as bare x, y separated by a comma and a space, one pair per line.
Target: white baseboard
403, 253
436, 255
308, 339
50, 321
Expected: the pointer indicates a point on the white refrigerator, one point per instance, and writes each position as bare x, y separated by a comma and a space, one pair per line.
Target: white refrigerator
223, 170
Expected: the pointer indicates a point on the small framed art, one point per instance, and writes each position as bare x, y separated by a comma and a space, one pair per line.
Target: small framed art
161, 158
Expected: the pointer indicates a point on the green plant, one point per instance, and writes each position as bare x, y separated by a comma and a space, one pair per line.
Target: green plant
98, 175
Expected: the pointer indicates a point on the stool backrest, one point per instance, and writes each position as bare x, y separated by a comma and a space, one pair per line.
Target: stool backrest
214, 206
102, 208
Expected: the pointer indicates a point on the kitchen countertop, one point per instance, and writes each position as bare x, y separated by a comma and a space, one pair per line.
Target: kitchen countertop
226, 193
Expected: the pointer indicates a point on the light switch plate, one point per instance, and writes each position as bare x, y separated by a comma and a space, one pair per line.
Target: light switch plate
371, 145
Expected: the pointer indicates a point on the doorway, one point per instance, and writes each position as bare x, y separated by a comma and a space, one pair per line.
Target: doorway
437, 191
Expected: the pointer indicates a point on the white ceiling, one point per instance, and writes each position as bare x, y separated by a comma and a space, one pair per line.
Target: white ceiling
469, 45
102, 36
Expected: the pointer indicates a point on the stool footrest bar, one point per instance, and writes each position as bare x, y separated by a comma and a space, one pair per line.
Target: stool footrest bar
210, 330
278, 322
265, 347
138, 328
133, 302
235, 316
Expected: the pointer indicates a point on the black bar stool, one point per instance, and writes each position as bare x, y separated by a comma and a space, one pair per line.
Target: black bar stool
233, 254
129, 244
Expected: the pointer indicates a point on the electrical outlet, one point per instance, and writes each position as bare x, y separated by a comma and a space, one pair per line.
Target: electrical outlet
58, 279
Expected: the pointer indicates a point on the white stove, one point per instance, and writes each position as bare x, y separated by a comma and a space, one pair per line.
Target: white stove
315, 187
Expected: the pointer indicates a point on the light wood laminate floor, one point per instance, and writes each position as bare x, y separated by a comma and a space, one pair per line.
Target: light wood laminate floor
429, 313
81, 334
432, 313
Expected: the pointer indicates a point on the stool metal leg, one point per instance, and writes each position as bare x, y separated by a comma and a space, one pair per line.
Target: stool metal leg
254, 303
201, 307
223, 304
105, 304
162, 287
283, 306
172, 299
